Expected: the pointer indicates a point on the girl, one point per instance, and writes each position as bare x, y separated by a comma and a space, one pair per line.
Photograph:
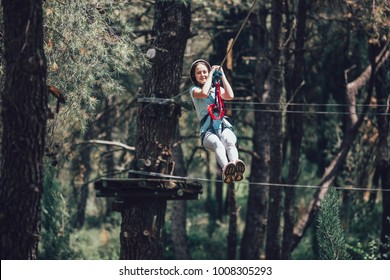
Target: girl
216, 131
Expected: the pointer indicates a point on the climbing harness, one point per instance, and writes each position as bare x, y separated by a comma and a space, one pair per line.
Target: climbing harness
218, 105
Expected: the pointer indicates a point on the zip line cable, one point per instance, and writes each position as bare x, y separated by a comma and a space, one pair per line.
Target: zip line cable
187, 178
284, 105
298, 104
304, 104
304, 112
238, 33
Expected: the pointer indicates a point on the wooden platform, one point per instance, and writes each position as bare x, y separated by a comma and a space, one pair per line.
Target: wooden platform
148, 185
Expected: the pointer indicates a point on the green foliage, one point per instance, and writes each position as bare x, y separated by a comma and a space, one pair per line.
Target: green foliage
89, 45
330, 235
362, 251
61, 242
202, 244
363, 227
96, 243
55, 244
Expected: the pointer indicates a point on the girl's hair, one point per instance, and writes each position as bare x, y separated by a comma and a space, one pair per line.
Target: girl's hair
192, 71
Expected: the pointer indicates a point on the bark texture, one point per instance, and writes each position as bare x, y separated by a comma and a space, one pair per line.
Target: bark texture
179, 211
273, 246
143, 221
24, 113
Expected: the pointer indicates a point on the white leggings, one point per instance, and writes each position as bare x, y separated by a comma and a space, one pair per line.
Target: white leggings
223, 145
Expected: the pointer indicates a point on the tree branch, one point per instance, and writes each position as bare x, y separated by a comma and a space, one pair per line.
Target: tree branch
354, 123
109, 143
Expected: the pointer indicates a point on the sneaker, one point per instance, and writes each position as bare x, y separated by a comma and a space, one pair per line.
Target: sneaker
228, 173
240, 169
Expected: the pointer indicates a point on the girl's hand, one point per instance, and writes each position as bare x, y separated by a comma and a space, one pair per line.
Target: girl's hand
215, 67
218, 67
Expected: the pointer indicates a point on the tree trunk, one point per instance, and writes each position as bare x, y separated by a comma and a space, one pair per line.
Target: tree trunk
273, 225
179, 233
219, 194
254, 233
143, 221
24, 114
179, 211
382, 88
232, 233
294, 126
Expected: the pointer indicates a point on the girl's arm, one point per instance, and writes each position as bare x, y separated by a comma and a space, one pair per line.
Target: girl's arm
228, 94
197, 93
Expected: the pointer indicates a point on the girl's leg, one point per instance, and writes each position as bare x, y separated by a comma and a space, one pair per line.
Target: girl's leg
212, 142
229, 140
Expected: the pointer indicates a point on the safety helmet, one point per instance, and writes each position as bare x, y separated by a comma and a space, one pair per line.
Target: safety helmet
193, 66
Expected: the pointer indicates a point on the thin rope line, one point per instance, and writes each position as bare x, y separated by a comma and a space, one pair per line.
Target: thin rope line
173, 97
252, 183
305, 104
304, 112
238, 33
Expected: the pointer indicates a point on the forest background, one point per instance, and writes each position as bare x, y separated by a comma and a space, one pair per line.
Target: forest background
312, 87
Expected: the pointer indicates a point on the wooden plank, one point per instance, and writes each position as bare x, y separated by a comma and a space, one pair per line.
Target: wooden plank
148, 185
114, 184
139, 192
117, 184
144, 195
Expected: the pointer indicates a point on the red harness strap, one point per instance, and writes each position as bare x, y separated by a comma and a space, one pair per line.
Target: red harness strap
219, 105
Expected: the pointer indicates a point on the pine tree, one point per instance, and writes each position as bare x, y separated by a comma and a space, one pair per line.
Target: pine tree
330, 235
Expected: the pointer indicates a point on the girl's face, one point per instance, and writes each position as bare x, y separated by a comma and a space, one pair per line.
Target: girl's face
201, 73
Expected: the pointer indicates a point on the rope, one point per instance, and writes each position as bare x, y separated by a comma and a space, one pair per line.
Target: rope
304, 112
253, 183
304, 104
238, 33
